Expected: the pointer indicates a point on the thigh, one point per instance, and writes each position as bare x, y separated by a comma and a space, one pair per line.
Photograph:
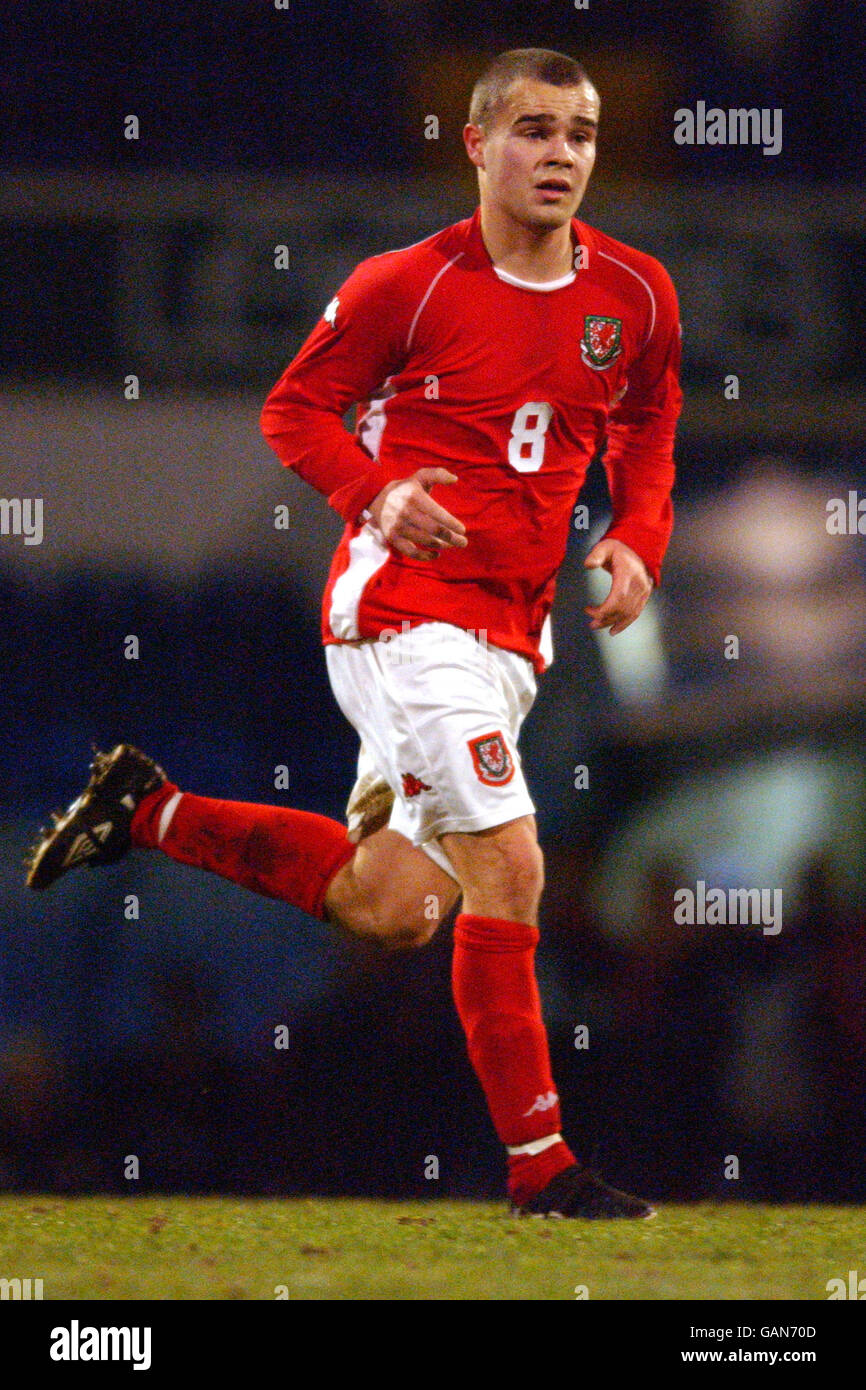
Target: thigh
441, 713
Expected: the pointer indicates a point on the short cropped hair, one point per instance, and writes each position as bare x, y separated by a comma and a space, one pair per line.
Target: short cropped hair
543, 64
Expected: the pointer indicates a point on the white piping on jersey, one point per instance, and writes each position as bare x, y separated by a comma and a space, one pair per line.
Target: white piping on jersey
545, 642
395, 250
646, 287
373, 424
367, 554
430, 288
367, 551
534, 284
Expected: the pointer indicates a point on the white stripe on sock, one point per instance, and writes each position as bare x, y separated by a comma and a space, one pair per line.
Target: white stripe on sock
165, 819
537, 1146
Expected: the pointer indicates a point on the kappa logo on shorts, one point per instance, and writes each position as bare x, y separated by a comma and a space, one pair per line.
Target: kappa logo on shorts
493, 763
601, 342
413, 786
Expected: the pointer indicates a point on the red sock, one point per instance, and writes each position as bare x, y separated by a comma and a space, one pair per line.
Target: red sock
273, 850
496, 995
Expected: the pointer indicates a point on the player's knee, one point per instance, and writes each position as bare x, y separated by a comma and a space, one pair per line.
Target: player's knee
404, 935
412, 920
378, 911
520, 881
502, 873
394, 930
531, 870
408, 915
397, 925
512, 890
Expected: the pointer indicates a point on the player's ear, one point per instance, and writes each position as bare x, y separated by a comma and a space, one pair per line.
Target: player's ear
473, 139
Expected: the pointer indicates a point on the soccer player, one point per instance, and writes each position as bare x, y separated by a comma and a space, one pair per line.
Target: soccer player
489, 363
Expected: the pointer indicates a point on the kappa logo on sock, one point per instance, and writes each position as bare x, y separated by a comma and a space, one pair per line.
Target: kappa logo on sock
491, 759
542, 1103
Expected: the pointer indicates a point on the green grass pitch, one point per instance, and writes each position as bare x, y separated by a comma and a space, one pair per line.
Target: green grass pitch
220, 1247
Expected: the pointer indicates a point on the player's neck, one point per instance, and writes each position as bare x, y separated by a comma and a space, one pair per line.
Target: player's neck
525, 253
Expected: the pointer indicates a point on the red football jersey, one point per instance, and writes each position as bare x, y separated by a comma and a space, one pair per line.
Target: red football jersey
512, 387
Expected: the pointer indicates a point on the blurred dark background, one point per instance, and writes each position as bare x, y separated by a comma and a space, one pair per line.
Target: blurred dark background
138, 1006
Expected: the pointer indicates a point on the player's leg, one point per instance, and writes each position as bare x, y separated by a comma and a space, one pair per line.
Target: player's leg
441, 712
501, 870
383, 889
452, 710
391, 891
394, 893
496, 995
501, 873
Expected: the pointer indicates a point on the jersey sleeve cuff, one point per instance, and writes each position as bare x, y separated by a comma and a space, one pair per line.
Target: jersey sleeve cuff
352, 499
644, 544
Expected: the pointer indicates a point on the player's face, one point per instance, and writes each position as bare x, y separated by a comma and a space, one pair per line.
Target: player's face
536, 159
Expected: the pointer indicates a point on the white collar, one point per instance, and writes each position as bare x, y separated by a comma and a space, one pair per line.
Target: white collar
534, 284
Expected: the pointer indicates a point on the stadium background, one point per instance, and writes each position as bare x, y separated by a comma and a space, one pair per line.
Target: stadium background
155, 257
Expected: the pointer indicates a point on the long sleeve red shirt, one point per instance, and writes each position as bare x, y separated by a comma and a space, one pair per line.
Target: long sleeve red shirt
514, 388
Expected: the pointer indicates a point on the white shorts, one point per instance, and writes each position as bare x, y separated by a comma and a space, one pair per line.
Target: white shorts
438, 714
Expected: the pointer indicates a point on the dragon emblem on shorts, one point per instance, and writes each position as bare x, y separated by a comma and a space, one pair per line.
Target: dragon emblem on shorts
491, 759
601, 343
413, 786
